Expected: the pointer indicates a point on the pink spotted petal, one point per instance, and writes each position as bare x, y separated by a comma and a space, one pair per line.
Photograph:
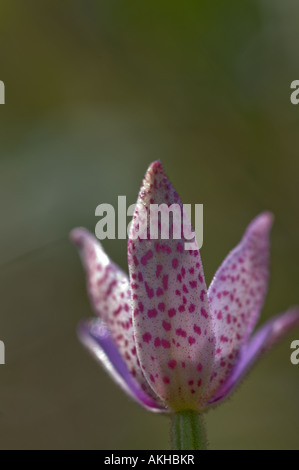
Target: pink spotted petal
265, 338
96, 338
169, 296
237, 294
109, 292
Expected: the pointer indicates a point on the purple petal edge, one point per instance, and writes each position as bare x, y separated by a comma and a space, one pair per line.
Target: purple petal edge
96, 338
263, 340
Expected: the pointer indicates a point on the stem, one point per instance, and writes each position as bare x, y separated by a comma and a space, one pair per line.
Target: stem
187, 431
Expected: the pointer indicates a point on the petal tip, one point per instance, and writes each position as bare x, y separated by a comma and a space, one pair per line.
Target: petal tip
262, 223
292, 318
154, 170
155, 167
77, 236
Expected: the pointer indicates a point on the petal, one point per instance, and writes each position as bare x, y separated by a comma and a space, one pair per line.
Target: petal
265, 338
171, 312
109, 292
96, 338
237, 294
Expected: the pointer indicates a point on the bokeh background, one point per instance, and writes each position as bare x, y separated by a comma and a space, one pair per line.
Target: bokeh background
95, 91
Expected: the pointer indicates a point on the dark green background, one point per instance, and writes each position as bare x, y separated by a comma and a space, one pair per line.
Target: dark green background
95, 91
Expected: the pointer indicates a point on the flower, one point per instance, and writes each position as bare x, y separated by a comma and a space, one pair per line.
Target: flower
167, 340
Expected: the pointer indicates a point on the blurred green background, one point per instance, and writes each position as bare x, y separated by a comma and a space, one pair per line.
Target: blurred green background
95, 91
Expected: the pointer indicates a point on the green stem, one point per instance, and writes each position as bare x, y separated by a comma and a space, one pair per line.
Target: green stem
187, 431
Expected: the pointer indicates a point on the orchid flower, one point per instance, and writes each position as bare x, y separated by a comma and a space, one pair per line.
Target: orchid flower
170, 343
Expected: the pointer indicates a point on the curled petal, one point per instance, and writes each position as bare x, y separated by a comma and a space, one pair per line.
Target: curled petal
169, 296
237, 294
109, 291
263, 340
96, 338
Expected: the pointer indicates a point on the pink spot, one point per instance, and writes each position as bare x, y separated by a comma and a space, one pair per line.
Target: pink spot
158, 270
127, 356
202, 294
181, 332
165, 343
180, 248
204, 312
136, 262
185, 289
146, 257
199, 367
190, 382
166, 380
199, 382
228, 319
200, 278
223, 339
140, 277
193, 284
219, 316
159, 292
149, 291
157, 342
141, 307
181, 308
152, 378
197, 329
165, 282
171, 312
152, 313
147, 337
178, 292
175, 263
165, 249
166, 325
191, 308
161, 306
172, 364
191, 340
117, 311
